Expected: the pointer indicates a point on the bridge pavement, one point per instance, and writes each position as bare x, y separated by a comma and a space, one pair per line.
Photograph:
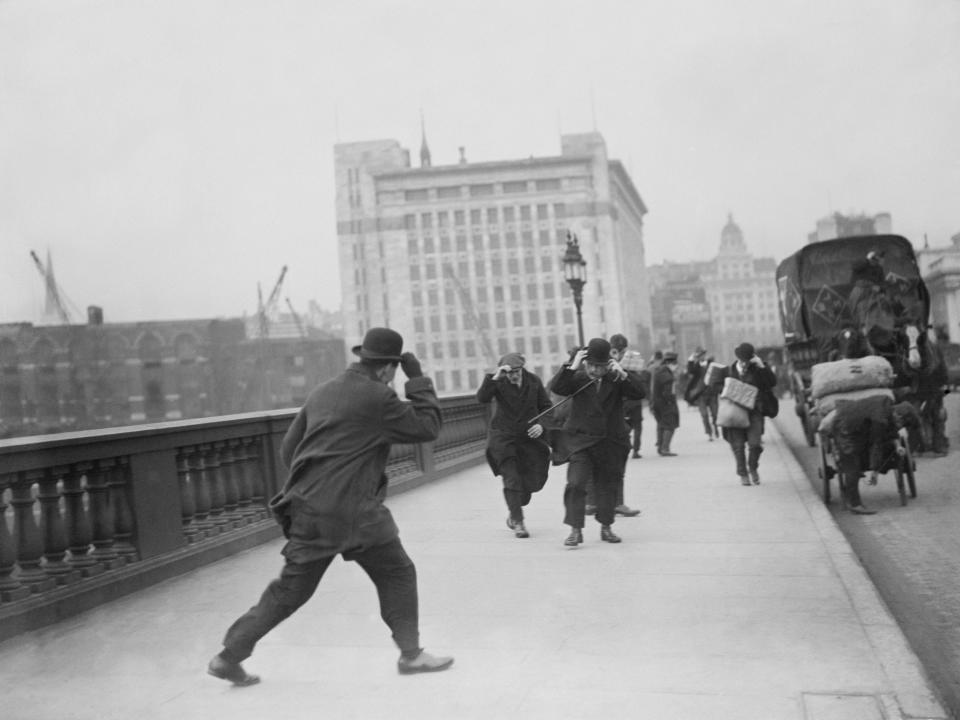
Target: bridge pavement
722, 602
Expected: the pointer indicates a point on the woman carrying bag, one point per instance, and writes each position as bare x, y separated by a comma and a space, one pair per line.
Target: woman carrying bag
743, 409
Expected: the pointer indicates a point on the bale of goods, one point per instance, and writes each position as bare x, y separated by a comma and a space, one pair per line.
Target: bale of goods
839, 376
632, 361
739, 392
828, 402
714, 372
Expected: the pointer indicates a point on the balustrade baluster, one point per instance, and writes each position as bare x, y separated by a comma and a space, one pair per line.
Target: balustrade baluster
253, 469
102, 515
119, 484
242, 476
29, 538
188, 504
79, 531
52, 527
211, 470
201, 492
11, 588
229, 479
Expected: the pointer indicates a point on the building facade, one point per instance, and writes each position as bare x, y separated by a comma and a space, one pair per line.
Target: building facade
78, 377
742, 294
465, 260
940, 270
838, 225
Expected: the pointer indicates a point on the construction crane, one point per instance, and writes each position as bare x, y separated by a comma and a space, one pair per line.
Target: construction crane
266, 309
56, 299
296, 319
471, 314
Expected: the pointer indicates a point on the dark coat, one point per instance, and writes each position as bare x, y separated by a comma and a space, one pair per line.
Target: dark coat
664, 400
337, 450
696, 371
508, 428
595, 415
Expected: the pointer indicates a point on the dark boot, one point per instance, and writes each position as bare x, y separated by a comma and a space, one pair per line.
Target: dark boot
753, 462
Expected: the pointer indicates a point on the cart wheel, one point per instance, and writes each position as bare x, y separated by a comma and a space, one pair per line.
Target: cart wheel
901, 487
911, 475
825, 473
809, 432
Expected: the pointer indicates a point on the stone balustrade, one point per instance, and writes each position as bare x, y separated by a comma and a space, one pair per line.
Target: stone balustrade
88, 516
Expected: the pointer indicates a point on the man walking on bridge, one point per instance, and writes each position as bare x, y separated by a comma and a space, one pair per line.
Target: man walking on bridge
332, 503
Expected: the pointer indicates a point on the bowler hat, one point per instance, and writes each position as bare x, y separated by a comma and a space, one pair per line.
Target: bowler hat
380, 344
744, 351
598, 351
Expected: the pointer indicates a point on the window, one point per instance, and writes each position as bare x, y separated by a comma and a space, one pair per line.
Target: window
546, 263
443, 219
448, 296
530, 264
431, 271
518, 318
508, 214
412, 246
479, 268
415, 195
559, 210
501, 320
435, 323
461, 243
513, 266
494, 241
437, 351
476, 217
553, 342
534, 317
502, 346
492, 217
478, 243
551, 317
426, 220
544, 238
418, 324
515, 293
416, 299
473, 378
567, 316
510, 240
410, 222
531, 291
454, 349
521, 345
451, 323
445, 244
459, 217
548, 291
496, 267
498, 294
428, 245
481, 190
414, 272
432, 299
527, 238
542, 211
421, 349
481, 294
469, 350
548, 184
448, 192
441, 381
455, 379
536, 345
525, 212
515, 186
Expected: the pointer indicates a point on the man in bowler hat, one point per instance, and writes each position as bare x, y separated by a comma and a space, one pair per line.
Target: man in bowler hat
516, 449
596, 441
332, 503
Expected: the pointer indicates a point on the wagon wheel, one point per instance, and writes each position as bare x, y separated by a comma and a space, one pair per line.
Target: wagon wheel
809, 431
825, 471
901, 486
909, 467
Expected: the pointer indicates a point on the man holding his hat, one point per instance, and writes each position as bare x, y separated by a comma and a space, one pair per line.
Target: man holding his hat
332, 503
746, 443
596, 441
516, 449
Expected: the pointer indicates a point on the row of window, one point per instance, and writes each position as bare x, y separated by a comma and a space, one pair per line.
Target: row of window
514, 266
520, 319
486, 189
481, 216
555, 240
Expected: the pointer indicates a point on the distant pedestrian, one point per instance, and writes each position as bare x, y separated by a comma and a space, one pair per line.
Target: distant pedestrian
332, 503
701, 394
663, 403
618, 351
747, 443
516, 448
594, 434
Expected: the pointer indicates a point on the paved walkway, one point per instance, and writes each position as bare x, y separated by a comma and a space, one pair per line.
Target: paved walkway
722, 602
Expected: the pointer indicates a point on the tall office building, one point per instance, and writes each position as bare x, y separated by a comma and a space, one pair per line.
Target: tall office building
465, 259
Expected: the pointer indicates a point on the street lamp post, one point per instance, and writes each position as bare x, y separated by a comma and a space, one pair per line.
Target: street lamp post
575, 273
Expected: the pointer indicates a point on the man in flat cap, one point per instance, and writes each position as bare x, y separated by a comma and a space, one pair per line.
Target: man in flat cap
596, 440
332, 503
747, 443
516, 448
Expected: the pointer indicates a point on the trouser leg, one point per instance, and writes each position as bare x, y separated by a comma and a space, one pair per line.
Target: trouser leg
754, 441
705, 416
513, 488
636, 437
665, 440
297, 582
753, 457
738, 441
590, 490
579, 471
395, 577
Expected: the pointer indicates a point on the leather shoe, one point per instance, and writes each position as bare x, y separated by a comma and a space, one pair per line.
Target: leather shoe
745, 480
510, 523
607, 535
755, 477
861, 510
423, 663
230, 671
636, 456
666, 453
626, 511
520, 530
574, 538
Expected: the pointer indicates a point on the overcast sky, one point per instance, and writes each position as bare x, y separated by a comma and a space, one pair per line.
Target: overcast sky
171, 154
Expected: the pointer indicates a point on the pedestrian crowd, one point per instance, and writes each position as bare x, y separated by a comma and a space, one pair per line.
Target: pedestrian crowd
588, 416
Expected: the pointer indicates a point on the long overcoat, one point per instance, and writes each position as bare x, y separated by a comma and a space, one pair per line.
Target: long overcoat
337, 450
663, 404
596, 414
507, 437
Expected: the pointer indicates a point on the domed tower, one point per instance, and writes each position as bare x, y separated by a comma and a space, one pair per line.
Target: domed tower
731, 238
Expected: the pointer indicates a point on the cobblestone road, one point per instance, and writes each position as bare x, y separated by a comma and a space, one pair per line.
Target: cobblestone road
912, 553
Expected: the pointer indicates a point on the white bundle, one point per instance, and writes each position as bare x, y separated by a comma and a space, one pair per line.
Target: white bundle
839, 376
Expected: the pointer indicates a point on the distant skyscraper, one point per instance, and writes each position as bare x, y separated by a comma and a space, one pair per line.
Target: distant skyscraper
464, 259
838, 225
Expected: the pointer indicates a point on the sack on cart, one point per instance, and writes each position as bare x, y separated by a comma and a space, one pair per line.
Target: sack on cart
845, 375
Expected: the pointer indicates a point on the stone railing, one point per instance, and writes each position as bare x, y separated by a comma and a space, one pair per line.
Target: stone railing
88, 516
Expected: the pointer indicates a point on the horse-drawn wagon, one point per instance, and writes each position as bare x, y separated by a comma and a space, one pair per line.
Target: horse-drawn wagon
844, 299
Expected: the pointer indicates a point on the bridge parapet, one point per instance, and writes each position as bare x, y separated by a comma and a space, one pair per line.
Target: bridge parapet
88, 516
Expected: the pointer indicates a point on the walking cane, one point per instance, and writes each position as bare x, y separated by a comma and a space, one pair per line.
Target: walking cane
532, 420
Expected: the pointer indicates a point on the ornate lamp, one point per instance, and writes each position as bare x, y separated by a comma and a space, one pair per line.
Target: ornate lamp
575, 273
